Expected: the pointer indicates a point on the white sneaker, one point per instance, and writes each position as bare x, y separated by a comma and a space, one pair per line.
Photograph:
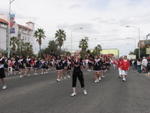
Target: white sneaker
89, 70
99, 78
73, 94
4, 87
21, 76
69, 76
58, 80
124, 79
84, 92
96, 81
103, 76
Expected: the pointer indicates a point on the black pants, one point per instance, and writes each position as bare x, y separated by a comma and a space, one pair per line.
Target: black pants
78, 75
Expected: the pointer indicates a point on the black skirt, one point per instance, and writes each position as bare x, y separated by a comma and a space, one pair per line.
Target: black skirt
2, 73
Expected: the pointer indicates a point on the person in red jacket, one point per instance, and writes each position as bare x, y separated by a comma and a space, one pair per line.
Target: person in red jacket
125, 67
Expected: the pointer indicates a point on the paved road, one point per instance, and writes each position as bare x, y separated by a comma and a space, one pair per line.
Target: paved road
41, 94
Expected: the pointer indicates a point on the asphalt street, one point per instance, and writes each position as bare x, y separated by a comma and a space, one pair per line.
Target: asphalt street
42, 94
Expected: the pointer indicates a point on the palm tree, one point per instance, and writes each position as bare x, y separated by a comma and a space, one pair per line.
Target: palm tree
13, 43
83, 44
39, 35
60, 36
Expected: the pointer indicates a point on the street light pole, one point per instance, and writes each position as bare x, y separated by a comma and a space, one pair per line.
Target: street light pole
71, 38
139, 36
71, 42
130, 38
8, 37
139, 32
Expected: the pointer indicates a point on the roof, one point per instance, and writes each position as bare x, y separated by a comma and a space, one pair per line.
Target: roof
24, 27
29, 22
3, 21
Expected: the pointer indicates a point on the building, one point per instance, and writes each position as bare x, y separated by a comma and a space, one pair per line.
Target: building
144, 43
22, 32
3, 33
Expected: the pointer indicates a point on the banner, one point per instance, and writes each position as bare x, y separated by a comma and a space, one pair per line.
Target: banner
12, 23
148, 51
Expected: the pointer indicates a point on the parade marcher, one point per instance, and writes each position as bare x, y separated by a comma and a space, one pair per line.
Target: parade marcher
119, 64
114, 63
59, 68
125, 67
90, 64
69, 65
2, 72
78, 74
148, 68
98, 69
10, 66
64, 68
104, 68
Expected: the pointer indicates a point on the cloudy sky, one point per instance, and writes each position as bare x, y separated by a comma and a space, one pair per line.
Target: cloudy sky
103, 21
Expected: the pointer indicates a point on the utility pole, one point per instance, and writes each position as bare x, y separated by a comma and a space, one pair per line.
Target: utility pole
8, 32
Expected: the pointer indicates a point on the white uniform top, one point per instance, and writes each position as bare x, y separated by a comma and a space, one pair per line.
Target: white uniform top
144, 62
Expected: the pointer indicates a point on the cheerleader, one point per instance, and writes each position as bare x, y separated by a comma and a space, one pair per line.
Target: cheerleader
69, 68
104, 67
59, 68
78, 74
2, 72
28, 66
65, 65
97, 68
119, 65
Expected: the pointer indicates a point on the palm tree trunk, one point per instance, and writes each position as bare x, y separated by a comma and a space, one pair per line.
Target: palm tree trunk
40, 51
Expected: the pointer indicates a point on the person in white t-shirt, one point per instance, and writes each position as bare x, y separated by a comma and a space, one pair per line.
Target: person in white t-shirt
144, 64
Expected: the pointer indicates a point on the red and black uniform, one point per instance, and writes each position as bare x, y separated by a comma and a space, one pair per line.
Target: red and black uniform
59, 65
97, 65
2, 70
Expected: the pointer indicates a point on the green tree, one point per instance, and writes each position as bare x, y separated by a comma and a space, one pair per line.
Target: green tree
88, 52
52, 48
97, 50
13, 43
60, 36
83, 44
26, 49
142, 52
39, 35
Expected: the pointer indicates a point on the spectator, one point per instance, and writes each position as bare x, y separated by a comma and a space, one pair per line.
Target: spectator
144, 65
139, 65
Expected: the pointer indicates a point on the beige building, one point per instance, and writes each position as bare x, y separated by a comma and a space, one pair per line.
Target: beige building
3, 33
23, 32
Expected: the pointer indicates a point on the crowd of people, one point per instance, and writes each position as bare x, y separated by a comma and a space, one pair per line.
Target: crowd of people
142, 65
65, 66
